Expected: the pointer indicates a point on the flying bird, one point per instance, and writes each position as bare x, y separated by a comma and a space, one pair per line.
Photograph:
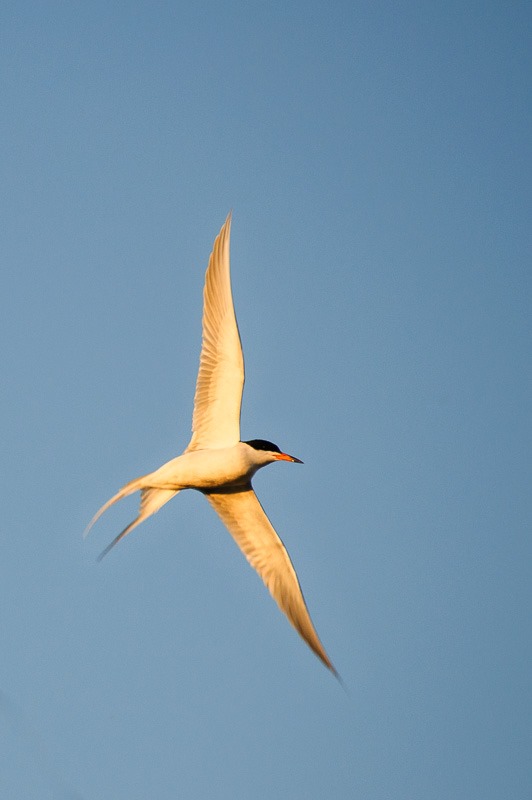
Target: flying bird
217, 463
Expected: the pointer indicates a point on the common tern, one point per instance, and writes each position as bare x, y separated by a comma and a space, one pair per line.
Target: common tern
217, 463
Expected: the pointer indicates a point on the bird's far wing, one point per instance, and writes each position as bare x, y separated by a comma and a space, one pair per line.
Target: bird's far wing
247, 522
216, 418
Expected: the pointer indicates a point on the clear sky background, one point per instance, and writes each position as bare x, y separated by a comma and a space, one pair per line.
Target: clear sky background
376, 156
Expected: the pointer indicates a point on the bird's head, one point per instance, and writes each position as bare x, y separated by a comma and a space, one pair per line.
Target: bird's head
270, 451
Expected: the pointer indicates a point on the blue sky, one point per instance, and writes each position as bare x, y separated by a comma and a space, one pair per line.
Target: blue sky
377, 160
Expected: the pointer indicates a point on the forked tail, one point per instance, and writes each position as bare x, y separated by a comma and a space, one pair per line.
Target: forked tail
151, 500
125, 491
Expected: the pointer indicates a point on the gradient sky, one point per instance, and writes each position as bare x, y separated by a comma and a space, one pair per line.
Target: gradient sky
376, 156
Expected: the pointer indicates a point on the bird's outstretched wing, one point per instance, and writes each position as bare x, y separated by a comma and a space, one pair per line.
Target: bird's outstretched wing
216, 418
247, 522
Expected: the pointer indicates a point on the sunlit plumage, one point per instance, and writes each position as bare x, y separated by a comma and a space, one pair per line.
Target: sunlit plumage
217, 463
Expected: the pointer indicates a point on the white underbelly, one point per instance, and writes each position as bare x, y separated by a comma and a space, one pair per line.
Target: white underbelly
205, 469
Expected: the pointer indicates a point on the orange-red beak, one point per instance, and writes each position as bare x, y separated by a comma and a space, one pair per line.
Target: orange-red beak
286, 457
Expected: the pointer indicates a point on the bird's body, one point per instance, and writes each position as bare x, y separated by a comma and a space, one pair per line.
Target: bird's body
209, 469
217, 463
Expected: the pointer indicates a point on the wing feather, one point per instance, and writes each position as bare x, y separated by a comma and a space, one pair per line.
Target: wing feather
216, 418
247, 522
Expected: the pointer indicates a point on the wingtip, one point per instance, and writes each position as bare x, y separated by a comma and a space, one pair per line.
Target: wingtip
340, 681
337, 675
222, 240
330, 666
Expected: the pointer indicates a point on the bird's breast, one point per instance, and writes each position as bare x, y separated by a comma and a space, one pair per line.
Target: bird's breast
206, 469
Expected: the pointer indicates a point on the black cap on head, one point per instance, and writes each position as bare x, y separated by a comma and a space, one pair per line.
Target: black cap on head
263, 444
